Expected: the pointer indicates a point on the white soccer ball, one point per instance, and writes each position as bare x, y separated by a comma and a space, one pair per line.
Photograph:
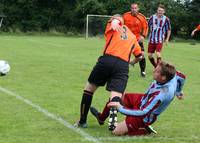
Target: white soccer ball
4, 67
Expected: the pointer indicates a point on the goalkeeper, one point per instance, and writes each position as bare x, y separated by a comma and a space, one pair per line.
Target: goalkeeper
142, 110
137, 23
112, 68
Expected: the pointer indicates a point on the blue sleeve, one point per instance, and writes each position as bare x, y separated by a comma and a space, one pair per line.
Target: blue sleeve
150, 86
151, 105
180, 83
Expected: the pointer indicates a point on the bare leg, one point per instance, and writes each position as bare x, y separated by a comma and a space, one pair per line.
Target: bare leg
90, 87
115, 94
121, 129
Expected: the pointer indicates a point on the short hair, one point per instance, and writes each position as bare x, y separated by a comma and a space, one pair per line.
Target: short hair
168, 70
134, 4
161, 6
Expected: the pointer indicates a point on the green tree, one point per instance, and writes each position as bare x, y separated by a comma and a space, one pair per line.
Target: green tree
68, 15
87, 7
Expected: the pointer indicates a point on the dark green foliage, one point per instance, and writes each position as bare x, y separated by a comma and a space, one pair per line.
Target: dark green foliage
70, 15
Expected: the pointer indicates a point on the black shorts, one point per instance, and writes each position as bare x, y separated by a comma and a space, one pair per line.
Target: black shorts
110, 70
141, 45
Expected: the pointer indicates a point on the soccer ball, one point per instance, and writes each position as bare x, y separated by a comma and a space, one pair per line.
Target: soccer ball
4, 67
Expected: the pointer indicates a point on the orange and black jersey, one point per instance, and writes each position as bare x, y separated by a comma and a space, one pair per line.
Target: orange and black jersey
121, 44
136, 23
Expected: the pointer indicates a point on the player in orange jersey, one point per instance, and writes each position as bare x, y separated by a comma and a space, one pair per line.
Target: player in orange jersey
111, 69
195, 30
137, 23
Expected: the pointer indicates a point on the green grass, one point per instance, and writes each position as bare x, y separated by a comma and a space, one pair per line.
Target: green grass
52, 71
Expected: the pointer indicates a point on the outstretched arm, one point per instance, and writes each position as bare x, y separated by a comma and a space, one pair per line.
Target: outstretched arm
195, 30
180, 83
151, 105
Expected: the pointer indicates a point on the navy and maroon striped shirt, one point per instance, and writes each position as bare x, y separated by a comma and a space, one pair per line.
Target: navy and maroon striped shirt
158, 28
157, 99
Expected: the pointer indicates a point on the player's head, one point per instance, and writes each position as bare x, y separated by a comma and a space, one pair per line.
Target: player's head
134, 8
119, 17
164, 72
161, 10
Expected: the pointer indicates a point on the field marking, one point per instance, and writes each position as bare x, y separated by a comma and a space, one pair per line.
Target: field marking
84, 134
50, 115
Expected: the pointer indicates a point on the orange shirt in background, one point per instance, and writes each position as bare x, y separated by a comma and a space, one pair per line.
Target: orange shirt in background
198, 27
136, 23
121, 45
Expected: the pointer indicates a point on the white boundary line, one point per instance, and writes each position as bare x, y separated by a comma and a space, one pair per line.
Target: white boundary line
84, 134
51, 115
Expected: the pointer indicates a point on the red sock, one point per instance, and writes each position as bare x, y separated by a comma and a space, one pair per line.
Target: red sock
105, 112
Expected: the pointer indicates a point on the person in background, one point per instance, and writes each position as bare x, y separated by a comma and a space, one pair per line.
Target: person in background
160, 31
137, 23
195, 30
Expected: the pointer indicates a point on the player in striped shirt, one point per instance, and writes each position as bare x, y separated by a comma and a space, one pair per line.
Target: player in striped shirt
195, 30
160, 31
142, 110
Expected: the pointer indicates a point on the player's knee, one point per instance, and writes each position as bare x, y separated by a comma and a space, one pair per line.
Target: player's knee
121, 129
90, 87
158, 54
117, 132
115, 95
114, 132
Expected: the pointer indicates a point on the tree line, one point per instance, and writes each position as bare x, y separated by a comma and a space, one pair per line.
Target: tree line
70, 15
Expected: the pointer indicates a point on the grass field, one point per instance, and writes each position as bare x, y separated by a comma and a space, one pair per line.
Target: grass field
40, 97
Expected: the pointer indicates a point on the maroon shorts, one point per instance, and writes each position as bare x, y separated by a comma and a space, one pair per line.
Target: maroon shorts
132, 100
155, 47
134, 124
